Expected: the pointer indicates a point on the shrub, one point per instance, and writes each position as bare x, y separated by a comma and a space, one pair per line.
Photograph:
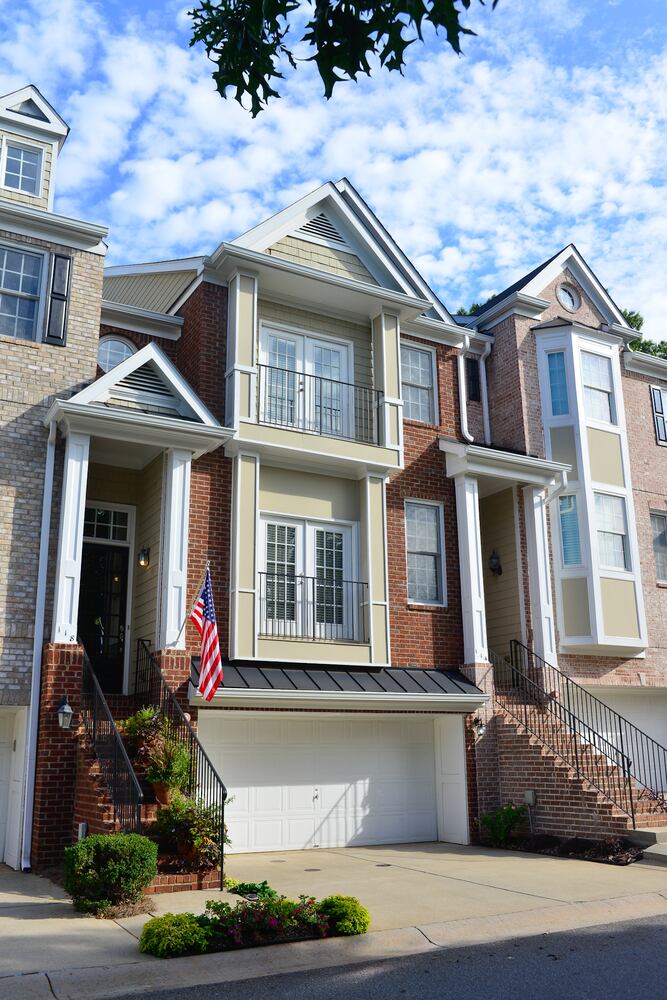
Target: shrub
175, 934
264, 921
263, 889
499, 824
190, 827
345, 914
142, 725
109, 869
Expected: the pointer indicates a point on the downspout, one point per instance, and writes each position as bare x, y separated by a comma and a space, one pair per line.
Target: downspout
463, 406
35, 689
485, 392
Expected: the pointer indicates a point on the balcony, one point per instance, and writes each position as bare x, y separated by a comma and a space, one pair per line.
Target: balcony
310, 403
314, 608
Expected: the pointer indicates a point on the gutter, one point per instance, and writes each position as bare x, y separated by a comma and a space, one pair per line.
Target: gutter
36, 682
261, 697
463, 406
486, 417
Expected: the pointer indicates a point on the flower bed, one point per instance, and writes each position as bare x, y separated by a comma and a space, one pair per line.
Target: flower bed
249, 924
612, 851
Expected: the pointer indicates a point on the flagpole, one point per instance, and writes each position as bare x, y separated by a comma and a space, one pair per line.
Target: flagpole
197, 593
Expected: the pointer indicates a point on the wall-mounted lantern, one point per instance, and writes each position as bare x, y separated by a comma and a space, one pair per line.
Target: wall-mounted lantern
494, 564
144, 557
65, 713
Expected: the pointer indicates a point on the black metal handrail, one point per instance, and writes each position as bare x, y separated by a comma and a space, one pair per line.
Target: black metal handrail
647, 758
312, 607
520, 690
204, 783
106, 742
319, 405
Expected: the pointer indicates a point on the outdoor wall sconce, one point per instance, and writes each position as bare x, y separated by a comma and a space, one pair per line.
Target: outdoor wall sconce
65, 713
494, 564
480, 727
144, 556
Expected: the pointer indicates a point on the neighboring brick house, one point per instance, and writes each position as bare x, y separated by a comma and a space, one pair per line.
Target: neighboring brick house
382, 492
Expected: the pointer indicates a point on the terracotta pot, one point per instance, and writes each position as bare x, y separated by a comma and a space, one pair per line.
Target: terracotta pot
186, 851
162, 793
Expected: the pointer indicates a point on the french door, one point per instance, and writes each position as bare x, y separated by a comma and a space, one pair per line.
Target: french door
305, 384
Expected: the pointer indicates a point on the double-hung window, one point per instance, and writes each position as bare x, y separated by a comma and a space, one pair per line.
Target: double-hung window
558, 383
417, 384
569, 530
659, 532
23, 167
612, 531
597, 381
424, 545
20, 279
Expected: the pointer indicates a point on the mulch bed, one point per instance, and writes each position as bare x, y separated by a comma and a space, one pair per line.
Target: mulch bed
612, 851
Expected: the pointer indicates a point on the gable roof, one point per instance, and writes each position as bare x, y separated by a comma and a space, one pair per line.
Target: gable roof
30, 110
534, 282
336, 215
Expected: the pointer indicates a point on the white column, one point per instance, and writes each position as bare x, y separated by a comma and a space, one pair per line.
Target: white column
70, 541
539, 573
470, 565
174, 556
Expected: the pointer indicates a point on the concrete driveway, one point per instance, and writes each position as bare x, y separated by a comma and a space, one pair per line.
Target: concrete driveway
419, 896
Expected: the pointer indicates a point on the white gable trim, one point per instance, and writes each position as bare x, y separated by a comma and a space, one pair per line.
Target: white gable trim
570, 259
54, 125
99, 390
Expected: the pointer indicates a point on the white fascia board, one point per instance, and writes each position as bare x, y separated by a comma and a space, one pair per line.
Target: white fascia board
135, 427
155, 267
261, 698
54, 126
383, 237
570, 258
645, 364
98, 389
28, 221
473, 460
479, 343
517, 304
281, 222
356, 296
153, 324
438, 331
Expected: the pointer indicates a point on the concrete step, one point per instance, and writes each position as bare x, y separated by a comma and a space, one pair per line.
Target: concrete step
647, 836
655, 854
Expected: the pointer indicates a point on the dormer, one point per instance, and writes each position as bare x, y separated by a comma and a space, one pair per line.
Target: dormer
32, 134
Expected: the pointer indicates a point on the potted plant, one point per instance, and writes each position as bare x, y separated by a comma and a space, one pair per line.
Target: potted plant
191, 829
167, 763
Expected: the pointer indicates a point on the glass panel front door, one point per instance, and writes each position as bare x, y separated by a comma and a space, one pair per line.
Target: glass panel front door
103, 611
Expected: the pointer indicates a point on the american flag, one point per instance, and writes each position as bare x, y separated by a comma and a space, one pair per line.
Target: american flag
203, 616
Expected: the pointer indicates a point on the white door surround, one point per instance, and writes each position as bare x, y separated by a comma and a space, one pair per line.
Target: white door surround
303, 780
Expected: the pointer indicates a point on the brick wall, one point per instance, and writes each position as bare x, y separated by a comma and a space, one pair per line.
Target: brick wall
92, 803
31, 375
420, 635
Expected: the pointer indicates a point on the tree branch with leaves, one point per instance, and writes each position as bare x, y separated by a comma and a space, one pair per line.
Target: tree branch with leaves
252, 41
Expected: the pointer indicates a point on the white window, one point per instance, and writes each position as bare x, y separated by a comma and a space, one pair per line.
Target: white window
558, 384
20, 280
598, 387
569, 530
659, 531
612, 531
423, 536
23, 166
112, 351
417, 384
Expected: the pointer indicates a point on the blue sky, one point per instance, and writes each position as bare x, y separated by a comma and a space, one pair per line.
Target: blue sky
551, 128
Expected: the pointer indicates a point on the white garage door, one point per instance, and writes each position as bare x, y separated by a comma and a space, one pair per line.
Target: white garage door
302, 781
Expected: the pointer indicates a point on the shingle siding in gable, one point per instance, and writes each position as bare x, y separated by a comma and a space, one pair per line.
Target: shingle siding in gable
324, 258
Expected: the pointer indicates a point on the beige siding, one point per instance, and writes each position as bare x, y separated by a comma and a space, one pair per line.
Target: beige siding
42, 199
619, 608
576, 613
503, 615
563, 449
323, 258
148, 534
156, 292
606, 463
112, 484
323, 326
301, 494
319, 652
329, 446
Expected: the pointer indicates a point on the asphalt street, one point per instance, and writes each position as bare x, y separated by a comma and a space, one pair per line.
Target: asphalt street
622, 961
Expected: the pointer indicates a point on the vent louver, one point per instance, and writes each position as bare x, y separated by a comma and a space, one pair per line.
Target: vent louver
323, 228
147, 381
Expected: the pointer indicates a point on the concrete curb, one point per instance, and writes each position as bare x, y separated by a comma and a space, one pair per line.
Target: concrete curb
105, 983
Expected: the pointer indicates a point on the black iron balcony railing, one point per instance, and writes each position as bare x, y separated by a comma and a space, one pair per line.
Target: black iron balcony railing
107, 745
309, 607
303, 402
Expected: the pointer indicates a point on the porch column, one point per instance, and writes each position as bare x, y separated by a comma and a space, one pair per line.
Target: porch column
175, 549
470, 566
539, 573
70, 539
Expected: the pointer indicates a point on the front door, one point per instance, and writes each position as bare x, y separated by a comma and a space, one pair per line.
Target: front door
103, 611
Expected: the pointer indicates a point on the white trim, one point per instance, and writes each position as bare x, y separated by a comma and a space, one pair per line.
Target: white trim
28, 221
471, 571
129, 544
54, 125
517, 304
439, 505
174, 547
539, 574
348, 699
518, 554
70, 539
387, 616
153, 324
475, 460
120, 340
42, 294
425, 349
645, 364
158, 267
570, 259
655, 512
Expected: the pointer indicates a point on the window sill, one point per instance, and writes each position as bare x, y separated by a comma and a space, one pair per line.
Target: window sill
425, 606
311, 639
421, 423
21, 342
661, 584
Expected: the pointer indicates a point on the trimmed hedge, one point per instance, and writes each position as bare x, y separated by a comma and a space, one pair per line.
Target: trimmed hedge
346, 915
109, 869
174, 934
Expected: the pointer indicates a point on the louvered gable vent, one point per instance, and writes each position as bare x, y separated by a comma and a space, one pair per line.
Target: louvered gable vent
322, 227
146, 388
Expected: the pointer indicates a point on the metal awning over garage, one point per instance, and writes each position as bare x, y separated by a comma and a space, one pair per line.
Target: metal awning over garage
393, 688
